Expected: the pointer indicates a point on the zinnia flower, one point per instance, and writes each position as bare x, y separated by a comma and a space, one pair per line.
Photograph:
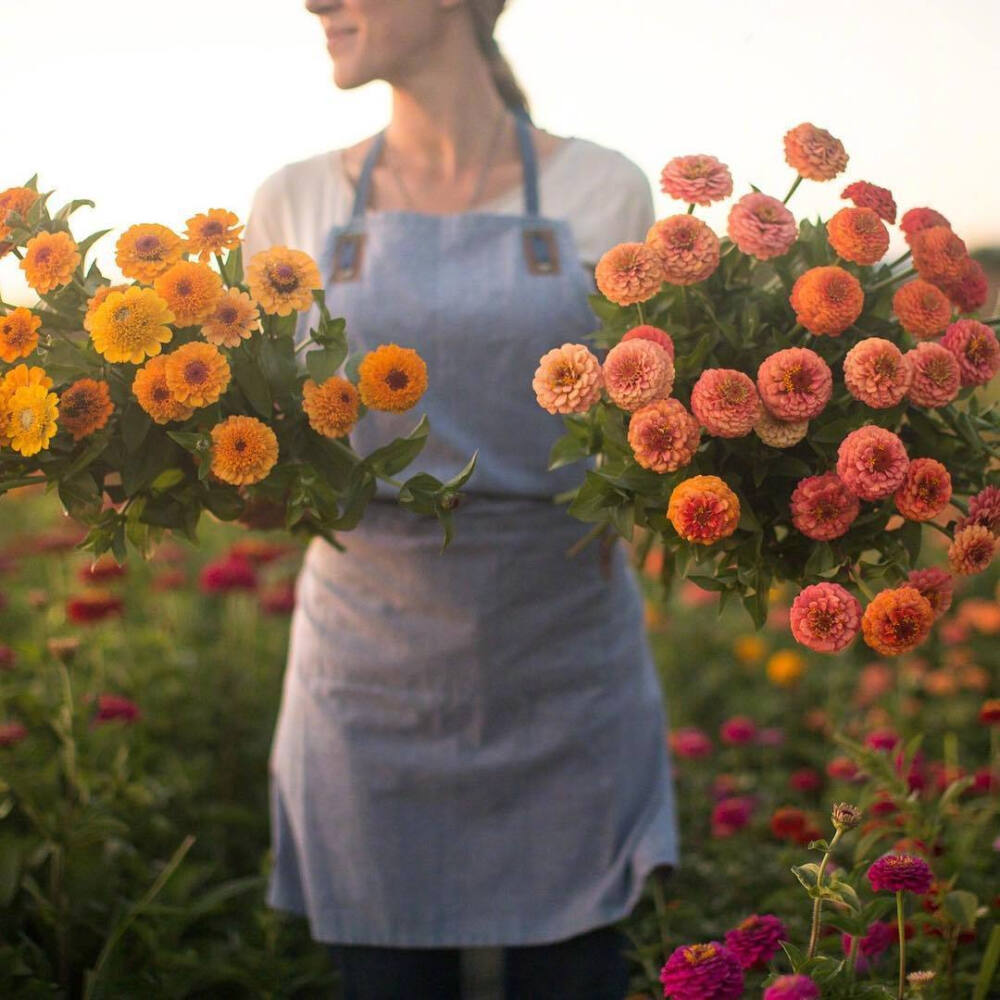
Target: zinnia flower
629, 273
144, 251
823, 507
726, 402
31, 419
690, 742
12, 733
866, 195
779, 433
568, 379
115, 708
702, 972
687, 248
85, 407
282, 280
989, 712
131, 325
212, 232
972, 549
190, 290
787, 822
936, 374
227, 574
923, 309
636, 372
663, 435
938, 254
925, 491
814, 153
827, 300
18, 334
49, 260
197, 374
792, 987
103, 568
897, 620
653, 333
244, 450
984, 508
392, 378
332, 406
878, 938
96, 300
794, 384
698, 179
703, 509
234, 319
858, 235
970, 289
756, 940
872, 462
918, 219
10, 382
731, 815
900, 873
738, 731
762, 226
93, 606
934, 584
153, 394
825, 617
975, 348
15, 199
876, 373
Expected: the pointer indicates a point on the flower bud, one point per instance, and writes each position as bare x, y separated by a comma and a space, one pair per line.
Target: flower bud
845, 816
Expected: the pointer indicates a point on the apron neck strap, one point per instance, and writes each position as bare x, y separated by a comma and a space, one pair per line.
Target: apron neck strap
529, 168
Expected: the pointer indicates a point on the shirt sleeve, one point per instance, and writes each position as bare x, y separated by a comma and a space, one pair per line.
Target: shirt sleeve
267, 223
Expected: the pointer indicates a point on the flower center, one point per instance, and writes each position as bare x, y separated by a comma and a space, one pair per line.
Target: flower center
148, 247
184, 287
698, 953
26, 418
822, 621
975, 349
196, 372
396, 379
239, 444
213, 228
283, 278
227, 314
43, 254
795, 379
878, 459
565, 377
733, 392
161, 394
122, 313
884, 366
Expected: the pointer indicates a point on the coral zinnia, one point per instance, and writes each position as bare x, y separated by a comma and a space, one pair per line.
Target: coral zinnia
636, 372
726, 402
975, 347
761, 226
858, 235
653, 333
31, 419
93, 605
795, 383
629, 273
814, 153
144, 251
234, 318
332, 406
917, 219
702, 972
970, 289
85, 407
131, 325
872, 462
972, 549
876, 373
866, 195
827, 300
825, 617
792, 987
936, 585
49, 261
897, 620
938, 254
984, 508
663, 435
244, 450
925, 491
15, 199
392, 378
212, 232
779, 433
699, 179
197, 374
154, 395
568, 379
703, 509
823, 508
923, 309
687, 248
900, 873
936, 374
282, 280
18, 334
756, 940
190, 290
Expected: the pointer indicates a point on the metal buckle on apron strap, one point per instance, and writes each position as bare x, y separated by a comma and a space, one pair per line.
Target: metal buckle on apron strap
347, 254
540, 251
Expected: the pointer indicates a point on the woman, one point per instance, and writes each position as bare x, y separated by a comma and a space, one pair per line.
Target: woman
470, 750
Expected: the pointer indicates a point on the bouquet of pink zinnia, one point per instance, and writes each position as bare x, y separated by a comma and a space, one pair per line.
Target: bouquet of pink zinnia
782, 405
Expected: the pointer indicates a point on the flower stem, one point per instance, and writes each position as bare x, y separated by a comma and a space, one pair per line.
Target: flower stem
861, 585
818, 901
791, 190
341, 447
661, 914
595, 532
691, 208
892, 278
638, 309
900, 260
12, 484
902, 945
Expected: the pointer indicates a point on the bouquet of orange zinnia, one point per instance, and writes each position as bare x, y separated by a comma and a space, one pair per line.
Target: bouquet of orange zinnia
780, 404
146, 403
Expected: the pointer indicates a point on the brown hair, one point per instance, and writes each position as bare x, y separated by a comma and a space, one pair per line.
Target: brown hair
484, 14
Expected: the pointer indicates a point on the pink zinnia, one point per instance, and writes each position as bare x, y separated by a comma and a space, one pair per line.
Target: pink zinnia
690, 742
779, 433
917, 219
878, 938
970, 289
806, 779
279, 599
794, 384
738, 731
825, 617
702, 972
925, 491
972, 550
699, 179
761, 226
687, 248
976, 349
872, 462
653, 333
866, 195
936, 585
844, 769
882, 739
230, 573
663, 436
900, 873
568, 379
876, 373
792, 987
936, 375
756, 940
636, 372
823, 507
984, 509
725, 401
11, 733
112, 707
731, 815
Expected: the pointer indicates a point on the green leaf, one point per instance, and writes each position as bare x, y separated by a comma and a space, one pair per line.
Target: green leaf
323, 364
10, 869
710, 583
252, 383
360, 489
277, 364
569, 448
135, 424
988, 966
399, 453
80, 496
461, 478
961, 907
166, 479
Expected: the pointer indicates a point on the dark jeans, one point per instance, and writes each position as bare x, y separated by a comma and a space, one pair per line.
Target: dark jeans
587, 967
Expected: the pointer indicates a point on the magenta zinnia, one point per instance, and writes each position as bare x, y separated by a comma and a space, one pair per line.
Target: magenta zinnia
568, 379
636, 372
726, 402
936, 374
792, 987
795, 384
761, 226
698, 179
925, 491
663, 435
876, 373
872, 462
702, 972
756, 940
900, 873
825, 617
823, 508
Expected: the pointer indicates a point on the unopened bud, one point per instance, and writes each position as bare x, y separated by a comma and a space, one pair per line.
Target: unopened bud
846, 816
918, 980
63, 648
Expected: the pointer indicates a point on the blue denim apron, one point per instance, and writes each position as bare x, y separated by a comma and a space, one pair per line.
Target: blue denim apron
470, 749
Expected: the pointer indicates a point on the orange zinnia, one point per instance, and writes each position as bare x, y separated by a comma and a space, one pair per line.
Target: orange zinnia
629, 273
923, 309
153, 394
938, 254
85, 407
332, 407
827, 300
703, 509
190, 290
145, 251
49, 260
858, 235
197, 374
392, 378
244, 450
15, 199
212, 232
897, 620
18, 334
814, 153
283, 280
234, 318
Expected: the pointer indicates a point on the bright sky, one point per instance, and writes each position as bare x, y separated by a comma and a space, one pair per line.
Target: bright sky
157, 111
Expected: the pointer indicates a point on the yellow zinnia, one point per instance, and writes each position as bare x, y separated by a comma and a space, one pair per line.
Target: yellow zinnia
332, 407
145, 251
15, 379
391, 378
131, 325
190, 290
785, 667
234, 318
244, 450
31, 418
15, 199
212, 232
282, 280
153, 394
95, 301
197, 374
18, 334
49, 261
749, 649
